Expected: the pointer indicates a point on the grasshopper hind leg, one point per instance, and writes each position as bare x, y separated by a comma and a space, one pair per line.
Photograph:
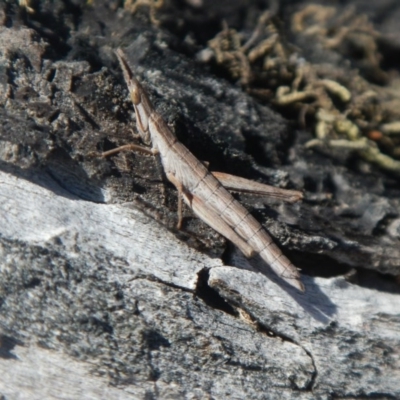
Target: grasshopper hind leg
212, 219
209, 216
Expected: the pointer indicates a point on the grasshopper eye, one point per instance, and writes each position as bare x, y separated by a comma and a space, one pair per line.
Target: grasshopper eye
135, 94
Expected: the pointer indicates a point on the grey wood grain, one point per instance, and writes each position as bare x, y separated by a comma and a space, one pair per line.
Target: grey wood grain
101, 298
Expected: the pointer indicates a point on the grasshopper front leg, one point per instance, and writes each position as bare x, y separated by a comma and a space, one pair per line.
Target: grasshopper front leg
130, 147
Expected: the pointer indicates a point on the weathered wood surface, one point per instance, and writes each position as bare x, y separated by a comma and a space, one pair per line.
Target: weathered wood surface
95, 290
99, 300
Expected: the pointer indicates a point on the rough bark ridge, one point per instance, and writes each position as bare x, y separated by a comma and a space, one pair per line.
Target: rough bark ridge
101, 298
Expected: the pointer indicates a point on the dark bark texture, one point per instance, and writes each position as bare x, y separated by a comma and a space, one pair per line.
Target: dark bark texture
101, 297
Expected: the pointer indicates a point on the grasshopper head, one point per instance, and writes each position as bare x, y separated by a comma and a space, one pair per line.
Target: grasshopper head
142, 109
139, 99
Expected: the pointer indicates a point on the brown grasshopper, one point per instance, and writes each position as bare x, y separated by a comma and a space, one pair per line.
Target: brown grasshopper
206, 192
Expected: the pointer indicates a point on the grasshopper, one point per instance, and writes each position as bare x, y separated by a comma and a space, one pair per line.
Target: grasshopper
206, 192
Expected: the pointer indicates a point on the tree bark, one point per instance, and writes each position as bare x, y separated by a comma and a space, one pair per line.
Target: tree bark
101, 297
